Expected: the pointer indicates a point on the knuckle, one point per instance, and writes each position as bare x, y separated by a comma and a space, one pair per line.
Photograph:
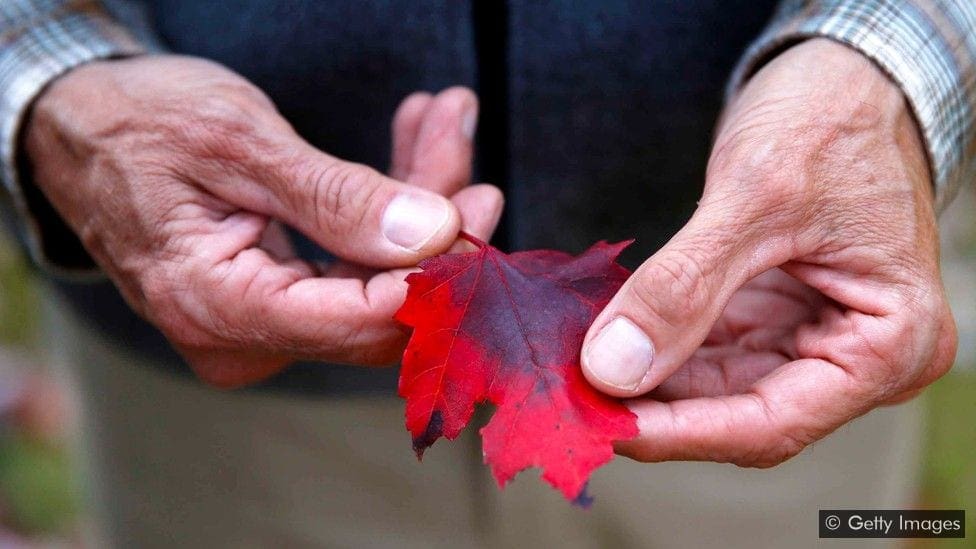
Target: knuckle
774, 443
776, 450
91, 237
212, 372
947, 343
884, 349
168, 300
672, 287
246, 96
772, 448
155, 292
158, 293
229, 370
221, 110
917, 347
340, 192
346, 341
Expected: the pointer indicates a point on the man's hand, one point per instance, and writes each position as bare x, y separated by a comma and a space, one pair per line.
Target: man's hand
175, 172
804, 291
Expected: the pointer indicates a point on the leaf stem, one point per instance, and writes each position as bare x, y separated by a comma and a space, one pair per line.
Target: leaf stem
472, 239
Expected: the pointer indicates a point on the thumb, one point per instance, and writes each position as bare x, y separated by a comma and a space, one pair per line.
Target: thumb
350, 209
363, 216
664, 311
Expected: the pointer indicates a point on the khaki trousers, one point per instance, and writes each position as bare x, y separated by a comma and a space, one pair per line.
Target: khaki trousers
172, 463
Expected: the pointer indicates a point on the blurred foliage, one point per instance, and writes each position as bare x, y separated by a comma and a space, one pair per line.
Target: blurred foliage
38, 492
18, 301
949, 475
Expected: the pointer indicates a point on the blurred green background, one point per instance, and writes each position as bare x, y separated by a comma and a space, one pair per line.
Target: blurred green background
39, 498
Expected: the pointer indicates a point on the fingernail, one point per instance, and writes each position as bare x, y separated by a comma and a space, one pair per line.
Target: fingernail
469, 122
620, 355
411, 220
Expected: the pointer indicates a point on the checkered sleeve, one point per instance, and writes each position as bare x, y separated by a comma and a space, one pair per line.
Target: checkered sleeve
39, 40
928, 47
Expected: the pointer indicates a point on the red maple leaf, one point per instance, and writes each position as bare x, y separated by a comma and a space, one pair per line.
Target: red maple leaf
508, 329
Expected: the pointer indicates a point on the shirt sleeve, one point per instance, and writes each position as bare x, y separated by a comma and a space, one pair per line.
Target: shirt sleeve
928, 47
40, 40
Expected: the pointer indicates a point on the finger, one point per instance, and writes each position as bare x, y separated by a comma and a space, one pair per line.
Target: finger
244, 314
481, 208
799, 403
254, 309
405, 127
442, 152
772, 300
718, 371
349, 209
852, 362
276, 242
668, 306
894, 344
360, 330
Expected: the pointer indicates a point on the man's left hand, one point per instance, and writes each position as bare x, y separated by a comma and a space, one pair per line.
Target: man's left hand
804, 291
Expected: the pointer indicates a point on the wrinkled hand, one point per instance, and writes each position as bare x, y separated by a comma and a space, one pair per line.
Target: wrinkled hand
175, 173
804, 291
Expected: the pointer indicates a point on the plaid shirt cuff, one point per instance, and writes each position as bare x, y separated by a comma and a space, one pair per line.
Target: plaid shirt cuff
40, 40
928, 47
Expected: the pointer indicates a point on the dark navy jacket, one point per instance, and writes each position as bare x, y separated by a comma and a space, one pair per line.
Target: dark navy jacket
596, 116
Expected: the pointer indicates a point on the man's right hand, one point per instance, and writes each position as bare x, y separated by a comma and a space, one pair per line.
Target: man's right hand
175, 171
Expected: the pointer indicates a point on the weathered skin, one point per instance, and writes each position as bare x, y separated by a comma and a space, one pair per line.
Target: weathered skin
805, 290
